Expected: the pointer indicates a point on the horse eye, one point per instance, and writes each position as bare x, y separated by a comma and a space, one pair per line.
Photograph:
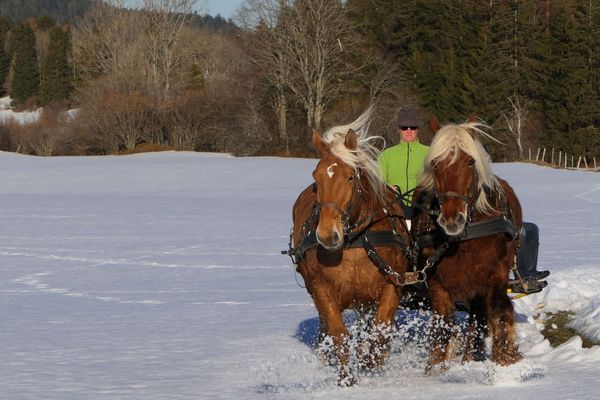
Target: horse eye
472, 162
351, 178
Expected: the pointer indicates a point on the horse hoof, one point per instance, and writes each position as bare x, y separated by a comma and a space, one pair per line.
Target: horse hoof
346, 380
508, 358
374, 361
436, 369
473, 357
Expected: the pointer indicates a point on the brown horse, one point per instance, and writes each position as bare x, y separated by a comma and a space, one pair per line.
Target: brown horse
346, 211
467, 227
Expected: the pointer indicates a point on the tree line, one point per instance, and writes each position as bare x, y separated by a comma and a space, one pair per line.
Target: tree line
161, 75
37, 59
60, 10
530, 68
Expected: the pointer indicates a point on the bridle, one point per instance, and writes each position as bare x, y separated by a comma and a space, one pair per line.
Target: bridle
468, 200
347, 213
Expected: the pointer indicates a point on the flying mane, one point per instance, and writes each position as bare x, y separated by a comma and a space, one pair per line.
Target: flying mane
449, 141
365, 156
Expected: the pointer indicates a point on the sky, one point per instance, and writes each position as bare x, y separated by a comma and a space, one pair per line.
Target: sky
160, 276
227, 8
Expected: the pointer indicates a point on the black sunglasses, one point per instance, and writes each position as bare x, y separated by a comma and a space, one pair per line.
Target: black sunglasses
412, 128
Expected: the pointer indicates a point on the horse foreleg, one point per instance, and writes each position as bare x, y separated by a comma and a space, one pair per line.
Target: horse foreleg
501, 320
365, 315
331, 314
383, 324
477, 331
442, 321
325, 352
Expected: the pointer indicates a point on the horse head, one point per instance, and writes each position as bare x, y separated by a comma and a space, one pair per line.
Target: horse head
457, 168
456, 185
336, 186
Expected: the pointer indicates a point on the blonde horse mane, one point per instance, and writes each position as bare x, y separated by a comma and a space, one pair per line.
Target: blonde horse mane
449, 141
365, 155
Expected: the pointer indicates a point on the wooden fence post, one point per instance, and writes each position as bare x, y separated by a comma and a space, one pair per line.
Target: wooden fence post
537, 156
552, 158
544, 155
559, 158
578, 162
585, 162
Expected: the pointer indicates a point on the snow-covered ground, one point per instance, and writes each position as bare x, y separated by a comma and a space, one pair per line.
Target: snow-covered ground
7, 115
159, 276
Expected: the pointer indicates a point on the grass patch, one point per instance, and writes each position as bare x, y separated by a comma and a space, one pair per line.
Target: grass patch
557, 329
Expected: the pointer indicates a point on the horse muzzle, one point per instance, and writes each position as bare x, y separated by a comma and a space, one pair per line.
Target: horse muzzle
331, 239
452, 225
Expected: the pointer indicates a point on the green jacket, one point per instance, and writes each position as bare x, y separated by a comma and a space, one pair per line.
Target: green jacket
400, 165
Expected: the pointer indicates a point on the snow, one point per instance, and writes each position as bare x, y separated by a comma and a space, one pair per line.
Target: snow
159, 276
7, 115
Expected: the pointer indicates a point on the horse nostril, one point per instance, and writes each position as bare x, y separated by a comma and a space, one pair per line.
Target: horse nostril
442, 219
335, 237
460, 219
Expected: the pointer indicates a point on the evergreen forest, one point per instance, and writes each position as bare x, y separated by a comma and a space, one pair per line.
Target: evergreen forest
62, 10
161, 75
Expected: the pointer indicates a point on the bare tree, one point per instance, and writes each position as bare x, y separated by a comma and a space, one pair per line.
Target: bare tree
107, 41
184, 132
515, 119
301, 44
136, 49
165, 20
266, 50
313, 36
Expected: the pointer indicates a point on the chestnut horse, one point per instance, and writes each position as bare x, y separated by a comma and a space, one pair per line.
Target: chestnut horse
347, 210
470, 219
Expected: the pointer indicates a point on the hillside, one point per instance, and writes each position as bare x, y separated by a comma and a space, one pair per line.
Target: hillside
62, 10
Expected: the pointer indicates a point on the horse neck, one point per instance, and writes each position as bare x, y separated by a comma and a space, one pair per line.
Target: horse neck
497, 200
368, 196
367, 202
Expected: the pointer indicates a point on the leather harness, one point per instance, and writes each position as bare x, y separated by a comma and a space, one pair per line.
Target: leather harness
370, 240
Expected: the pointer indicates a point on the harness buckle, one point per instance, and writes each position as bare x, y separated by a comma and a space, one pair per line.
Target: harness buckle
410, 278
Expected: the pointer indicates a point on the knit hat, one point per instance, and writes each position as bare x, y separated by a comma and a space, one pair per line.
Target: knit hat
408, 117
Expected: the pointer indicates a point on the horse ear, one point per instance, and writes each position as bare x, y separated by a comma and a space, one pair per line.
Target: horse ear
434, 125
318, 142
473, 119
351, 141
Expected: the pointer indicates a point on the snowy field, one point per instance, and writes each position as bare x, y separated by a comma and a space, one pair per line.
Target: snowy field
159, 276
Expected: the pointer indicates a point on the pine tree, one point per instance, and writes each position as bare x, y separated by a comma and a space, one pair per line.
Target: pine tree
431, 60
567, 79
26, 77
6, 24
5, 27
4, 64
482, 77
583, 102
57, 84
